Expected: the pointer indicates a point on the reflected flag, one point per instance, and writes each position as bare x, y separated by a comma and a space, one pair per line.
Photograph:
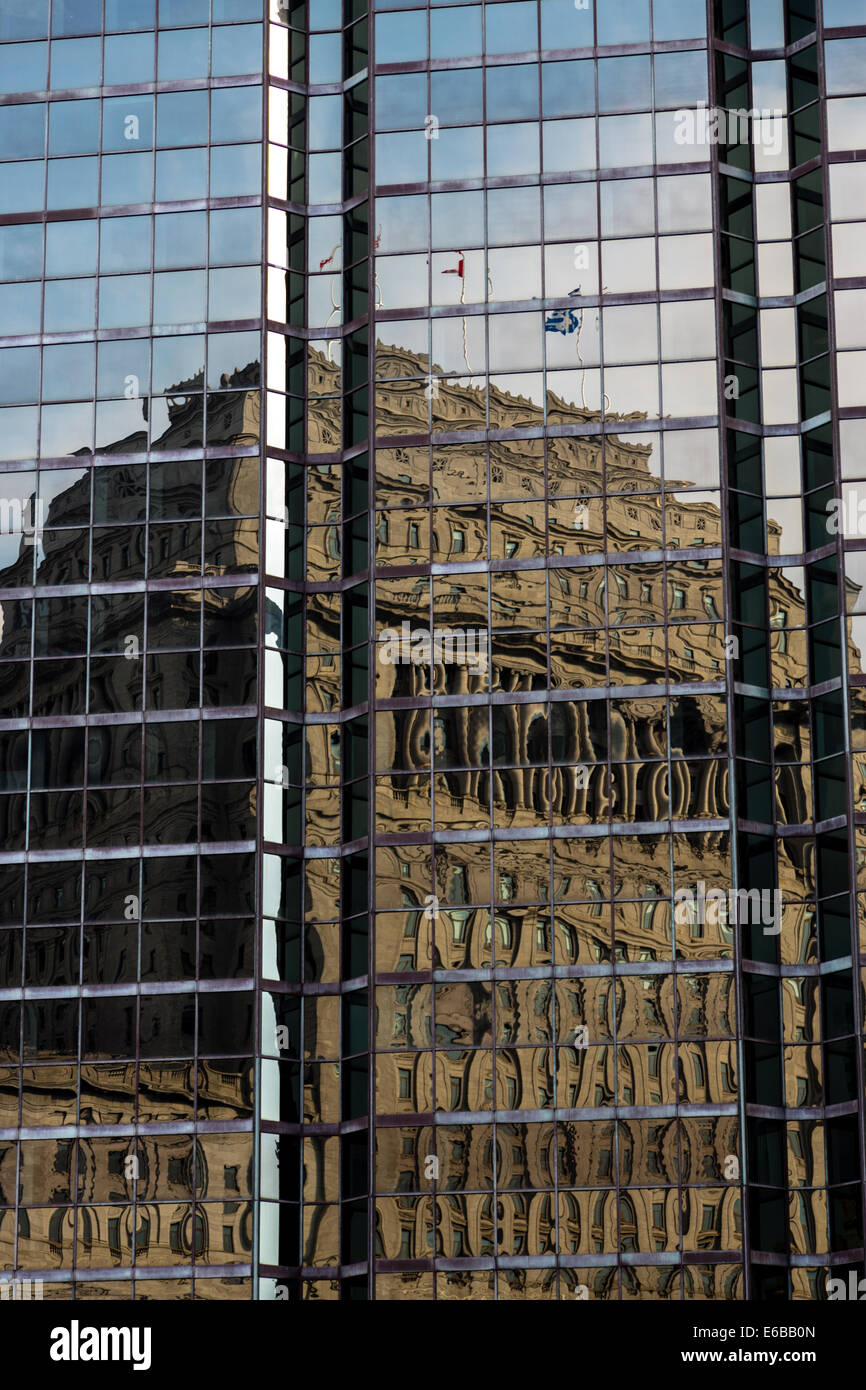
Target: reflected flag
563, 321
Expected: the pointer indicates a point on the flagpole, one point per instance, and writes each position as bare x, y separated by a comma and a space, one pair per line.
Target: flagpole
583, 367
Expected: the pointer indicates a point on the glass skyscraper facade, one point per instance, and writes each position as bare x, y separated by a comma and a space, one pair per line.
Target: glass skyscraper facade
130, 314
433, 748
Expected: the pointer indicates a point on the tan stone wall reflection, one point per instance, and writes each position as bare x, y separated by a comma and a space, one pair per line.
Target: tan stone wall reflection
655, 1039
535, 903
189, 1203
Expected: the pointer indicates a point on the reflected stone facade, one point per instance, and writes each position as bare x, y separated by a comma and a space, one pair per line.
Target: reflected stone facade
570, 1010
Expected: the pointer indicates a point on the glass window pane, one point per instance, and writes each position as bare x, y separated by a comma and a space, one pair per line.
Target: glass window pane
128, 58
450, 40
512, 149
568, 89
228, 353
680, 78
688, 330
631, 333
457, 218
512, 92
68, 372
325, 123
127, 123
401, 226
401, 103
180, 239
70, 305
513, 214
326, 52
24, 19
685, 262
76, 63
73, 183
183, 53
124, 243
234, 234
674, 20
564, 25
402, 158
839, 13
570, 210
73, 127
21, 186
236, 114
685, 203
181, 174
846, 123
179, 297
624, 141
124, 301
847, 191
515, 341
845, 60
23, 67
625, 84
21, 251
236, 49
627, 206
22, 131
18, 428
509, 28
76, 17
226, 10
624, 23
174, 12
628, 266
127, 178
120, 15
235, 171
20, 308
235, 293
19, 375
176, 360
70, 247
457, 96
324, 179
123, 368
401, 38
181, 118
569, 145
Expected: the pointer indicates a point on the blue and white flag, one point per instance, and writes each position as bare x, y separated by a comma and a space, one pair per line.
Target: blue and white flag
563, 321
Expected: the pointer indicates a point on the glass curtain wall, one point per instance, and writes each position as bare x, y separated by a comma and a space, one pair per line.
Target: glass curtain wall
130, 351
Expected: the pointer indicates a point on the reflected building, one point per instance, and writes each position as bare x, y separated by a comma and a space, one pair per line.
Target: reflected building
121, 762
